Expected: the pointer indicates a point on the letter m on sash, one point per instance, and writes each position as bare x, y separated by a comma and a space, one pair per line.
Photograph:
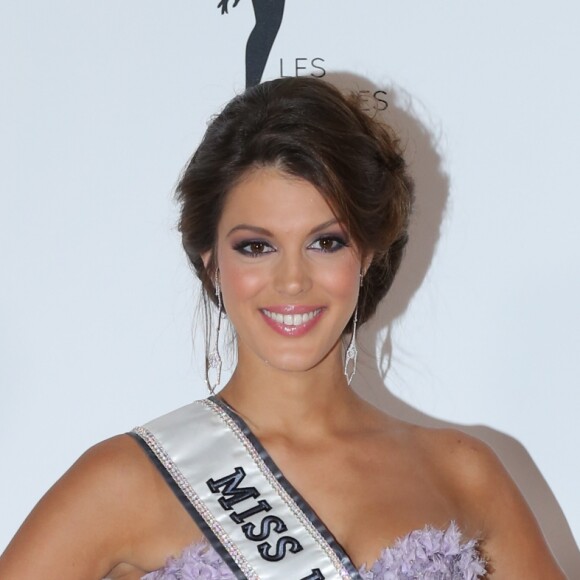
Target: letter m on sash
229, 487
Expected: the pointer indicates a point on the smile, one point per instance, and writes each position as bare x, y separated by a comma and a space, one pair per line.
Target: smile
292, 319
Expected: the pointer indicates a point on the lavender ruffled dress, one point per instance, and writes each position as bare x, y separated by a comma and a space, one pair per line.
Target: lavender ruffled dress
428, 554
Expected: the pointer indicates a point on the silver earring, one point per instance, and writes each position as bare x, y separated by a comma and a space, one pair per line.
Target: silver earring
351, 351
214, 360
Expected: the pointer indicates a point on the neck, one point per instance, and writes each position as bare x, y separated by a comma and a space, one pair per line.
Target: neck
293, 403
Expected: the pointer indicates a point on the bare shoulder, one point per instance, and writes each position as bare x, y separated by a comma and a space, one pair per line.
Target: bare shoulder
105, 458
464, 465
117, 464
469, 462
91, 518
489, 499
459, 461
114, 477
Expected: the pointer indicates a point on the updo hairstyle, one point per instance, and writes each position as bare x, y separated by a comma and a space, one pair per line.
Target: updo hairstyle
306, 128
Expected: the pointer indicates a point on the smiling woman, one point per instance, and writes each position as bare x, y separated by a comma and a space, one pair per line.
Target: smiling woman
294, 216
285, 273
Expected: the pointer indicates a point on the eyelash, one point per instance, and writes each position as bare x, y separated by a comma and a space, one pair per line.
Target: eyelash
241, 248
337, 244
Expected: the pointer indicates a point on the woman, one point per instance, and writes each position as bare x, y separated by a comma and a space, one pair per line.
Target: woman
294, 215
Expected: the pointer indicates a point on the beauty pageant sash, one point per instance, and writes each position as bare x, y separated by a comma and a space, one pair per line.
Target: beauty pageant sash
253, 517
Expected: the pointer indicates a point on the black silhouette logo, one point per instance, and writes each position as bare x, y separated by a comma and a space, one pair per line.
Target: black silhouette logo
268, 15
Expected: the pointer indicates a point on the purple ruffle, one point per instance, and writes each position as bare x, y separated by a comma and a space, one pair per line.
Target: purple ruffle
197, 562
427, 554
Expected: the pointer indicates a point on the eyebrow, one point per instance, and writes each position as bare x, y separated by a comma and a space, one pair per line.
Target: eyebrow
266, 232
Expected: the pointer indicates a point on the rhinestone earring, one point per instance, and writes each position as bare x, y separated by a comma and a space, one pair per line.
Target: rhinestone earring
214, 360
351, 351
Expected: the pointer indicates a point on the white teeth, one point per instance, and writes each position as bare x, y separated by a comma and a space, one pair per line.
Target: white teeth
291, 319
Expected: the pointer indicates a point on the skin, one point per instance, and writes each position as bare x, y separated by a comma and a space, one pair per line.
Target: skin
370, 477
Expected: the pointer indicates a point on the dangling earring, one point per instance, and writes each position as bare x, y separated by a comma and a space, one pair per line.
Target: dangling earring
214, 360
351, 351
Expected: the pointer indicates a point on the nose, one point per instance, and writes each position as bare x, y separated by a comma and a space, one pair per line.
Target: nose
292, 274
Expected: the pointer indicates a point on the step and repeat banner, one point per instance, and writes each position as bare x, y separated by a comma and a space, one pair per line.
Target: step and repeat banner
102, 103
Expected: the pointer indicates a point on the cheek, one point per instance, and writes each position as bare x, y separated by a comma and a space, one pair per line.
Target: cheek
341, 283
341, 279
239, 283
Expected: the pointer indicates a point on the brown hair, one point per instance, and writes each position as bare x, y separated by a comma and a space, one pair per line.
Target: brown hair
308, 129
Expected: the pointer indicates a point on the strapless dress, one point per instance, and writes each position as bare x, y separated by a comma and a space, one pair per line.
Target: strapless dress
427, 554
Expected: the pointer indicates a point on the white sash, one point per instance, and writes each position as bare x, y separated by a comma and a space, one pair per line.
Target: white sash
248, 511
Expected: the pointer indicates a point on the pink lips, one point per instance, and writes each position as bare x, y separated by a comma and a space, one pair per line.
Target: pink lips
292, 320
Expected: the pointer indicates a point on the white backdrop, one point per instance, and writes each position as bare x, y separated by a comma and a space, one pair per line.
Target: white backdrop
102, 103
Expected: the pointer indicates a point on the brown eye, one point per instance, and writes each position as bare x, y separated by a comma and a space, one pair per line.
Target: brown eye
257, 247
253, 248
328, 244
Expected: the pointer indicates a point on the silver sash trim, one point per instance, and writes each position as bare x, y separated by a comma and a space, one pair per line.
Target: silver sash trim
249, 512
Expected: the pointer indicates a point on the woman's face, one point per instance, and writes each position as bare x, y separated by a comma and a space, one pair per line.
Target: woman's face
289, 275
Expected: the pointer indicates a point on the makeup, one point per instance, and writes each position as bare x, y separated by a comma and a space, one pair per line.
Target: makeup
292, 320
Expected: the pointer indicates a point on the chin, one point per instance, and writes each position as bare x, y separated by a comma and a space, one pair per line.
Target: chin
291, 366
295, 362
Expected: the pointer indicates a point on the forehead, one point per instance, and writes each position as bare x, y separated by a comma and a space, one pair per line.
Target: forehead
269, 197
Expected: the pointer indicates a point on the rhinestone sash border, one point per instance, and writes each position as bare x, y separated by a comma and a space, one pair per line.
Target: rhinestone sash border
196, 502
282, 493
